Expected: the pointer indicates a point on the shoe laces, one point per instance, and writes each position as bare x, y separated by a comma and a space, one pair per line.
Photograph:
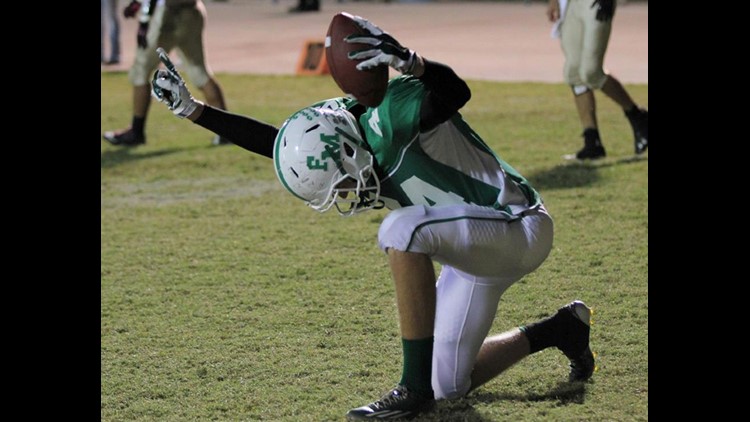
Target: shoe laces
394, 396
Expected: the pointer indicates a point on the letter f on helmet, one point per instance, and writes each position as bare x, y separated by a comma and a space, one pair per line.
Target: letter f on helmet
320, 157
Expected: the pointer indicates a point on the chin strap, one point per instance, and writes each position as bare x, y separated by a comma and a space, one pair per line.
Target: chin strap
364, 202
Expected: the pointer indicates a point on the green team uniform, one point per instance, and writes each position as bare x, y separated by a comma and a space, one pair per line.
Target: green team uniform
450, 164
455, 200
452, 198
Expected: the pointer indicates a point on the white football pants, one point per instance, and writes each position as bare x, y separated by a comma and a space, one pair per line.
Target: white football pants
482, 252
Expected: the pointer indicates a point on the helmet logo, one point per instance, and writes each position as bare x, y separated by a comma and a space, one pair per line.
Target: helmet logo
331, 150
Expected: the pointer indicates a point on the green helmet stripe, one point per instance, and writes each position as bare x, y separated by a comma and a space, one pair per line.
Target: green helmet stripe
347, 136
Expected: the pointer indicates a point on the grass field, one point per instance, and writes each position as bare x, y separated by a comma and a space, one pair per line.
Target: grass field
225, 298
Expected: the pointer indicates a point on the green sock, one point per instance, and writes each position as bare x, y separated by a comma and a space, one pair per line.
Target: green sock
417, 374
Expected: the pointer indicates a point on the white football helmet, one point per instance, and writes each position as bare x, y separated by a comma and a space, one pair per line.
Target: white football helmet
320, 157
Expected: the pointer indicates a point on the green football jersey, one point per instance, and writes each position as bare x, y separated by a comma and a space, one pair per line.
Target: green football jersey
449, 164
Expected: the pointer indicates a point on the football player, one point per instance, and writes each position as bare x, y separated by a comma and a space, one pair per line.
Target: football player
170, 24
584, 27
453, 201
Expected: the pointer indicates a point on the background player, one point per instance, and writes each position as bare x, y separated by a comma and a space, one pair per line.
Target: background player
454, 201
169, 24
584, 27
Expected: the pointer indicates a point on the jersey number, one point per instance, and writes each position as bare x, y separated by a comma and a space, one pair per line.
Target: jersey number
374, 123
421, 192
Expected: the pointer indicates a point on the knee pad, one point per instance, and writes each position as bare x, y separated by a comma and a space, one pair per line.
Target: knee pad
594, 78
579, 89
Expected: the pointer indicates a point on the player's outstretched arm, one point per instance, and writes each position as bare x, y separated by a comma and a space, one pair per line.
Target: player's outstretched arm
169, 88
253, 135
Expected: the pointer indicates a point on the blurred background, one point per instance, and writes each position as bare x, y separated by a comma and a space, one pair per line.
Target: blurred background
483, 40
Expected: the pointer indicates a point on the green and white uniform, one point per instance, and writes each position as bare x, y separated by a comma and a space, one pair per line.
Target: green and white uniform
452, 198
448, 165
455, 200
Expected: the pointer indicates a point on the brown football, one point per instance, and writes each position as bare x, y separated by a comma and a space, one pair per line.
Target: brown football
367, 86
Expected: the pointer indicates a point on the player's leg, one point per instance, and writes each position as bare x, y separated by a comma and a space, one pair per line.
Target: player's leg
466, 308
215, 96
145, 63
213, 93
614, 90
464, 358
190, 35
104, 16
585, 102
637, 116
594, 47
458, 236
114, 32
500, 250
595, 43
569, 331
497, 354
135, 133
414, 279
572, 42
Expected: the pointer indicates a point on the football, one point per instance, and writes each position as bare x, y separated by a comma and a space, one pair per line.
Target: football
367, 86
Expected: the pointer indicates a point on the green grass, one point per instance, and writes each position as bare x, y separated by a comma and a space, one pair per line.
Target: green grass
225, 298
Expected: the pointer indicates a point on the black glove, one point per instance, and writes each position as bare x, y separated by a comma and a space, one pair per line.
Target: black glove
131, 9
142, 32
606, 9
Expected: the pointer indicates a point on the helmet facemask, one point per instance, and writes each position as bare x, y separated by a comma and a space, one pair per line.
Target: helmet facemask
360, 189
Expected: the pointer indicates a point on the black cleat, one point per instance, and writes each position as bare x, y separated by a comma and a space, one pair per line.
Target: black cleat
399, 403
124, 138
575, 340
591, 152
639, 121
592, 147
